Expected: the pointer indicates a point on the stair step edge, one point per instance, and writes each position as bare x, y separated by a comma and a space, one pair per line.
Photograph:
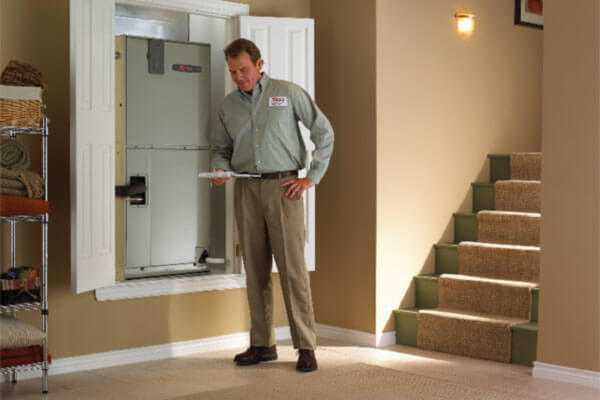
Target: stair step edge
446, 245
464, 214
530, 326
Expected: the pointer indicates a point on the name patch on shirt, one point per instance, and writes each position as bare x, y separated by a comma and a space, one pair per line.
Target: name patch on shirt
278, 101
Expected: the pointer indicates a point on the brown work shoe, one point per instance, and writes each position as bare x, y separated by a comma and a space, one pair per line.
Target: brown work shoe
255, 354
306, 361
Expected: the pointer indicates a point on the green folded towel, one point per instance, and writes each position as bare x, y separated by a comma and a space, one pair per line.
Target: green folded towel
13, 155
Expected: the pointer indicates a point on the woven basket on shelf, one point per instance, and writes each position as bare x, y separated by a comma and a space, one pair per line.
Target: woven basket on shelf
21, 112
27, 113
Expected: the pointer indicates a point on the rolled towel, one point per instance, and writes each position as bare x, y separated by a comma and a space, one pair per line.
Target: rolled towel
13, 155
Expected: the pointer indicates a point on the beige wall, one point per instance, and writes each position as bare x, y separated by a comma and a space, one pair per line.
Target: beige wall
38, 32
344, 282
569, 327
278, 8
443, 103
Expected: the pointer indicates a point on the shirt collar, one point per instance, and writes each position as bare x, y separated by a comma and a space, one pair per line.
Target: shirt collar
258, 88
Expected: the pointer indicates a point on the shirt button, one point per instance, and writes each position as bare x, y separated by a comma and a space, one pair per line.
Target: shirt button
258, 162
257, 146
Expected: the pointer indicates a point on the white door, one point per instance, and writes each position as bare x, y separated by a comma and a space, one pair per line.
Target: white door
92, 144
287, 46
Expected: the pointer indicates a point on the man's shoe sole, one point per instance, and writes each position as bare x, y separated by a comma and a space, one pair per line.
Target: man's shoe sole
270, 357
306, 369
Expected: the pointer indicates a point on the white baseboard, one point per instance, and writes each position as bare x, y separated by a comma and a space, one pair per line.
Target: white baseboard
565, 374
178, 349
147, 353
355, 337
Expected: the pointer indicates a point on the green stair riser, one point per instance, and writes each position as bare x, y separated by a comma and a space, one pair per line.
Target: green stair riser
499, 167
406, 327
426, 291
465, 227
523, 345
427, 294
523, 341
483, 196
535, 304
446, 258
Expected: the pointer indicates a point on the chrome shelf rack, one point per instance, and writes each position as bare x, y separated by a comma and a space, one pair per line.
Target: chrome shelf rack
12, 132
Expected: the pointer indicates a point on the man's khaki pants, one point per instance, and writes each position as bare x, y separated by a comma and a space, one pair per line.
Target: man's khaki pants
272, 224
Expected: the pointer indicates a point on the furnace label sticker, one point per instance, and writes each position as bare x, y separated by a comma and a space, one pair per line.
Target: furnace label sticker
278, 101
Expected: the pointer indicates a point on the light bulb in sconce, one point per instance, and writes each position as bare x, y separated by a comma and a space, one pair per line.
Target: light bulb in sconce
465, 22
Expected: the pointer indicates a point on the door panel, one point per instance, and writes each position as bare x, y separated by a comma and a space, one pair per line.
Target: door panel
171, 108
180, 206
176, 217
287, 48
92, 144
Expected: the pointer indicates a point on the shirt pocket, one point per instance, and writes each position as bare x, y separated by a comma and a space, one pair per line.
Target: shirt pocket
280, 114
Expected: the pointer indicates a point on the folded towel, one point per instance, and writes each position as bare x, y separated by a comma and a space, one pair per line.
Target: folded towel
21, 356
13, 192
17, 205
13, 155
29, 183
11, 184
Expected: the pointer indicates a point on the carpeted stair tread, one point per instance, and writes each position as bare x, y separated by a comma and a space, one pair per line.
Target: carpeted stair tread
508, 227
467, 334
476, 316
518, 195
512, 299
526, 166
499, 261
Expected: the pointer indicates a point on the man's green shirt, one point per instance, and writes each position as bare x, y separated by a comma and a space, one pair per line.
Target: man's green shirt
259, 133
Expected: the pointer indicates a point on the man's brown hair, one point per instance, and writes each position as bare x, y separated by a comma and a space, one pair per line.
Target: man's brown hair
238, 46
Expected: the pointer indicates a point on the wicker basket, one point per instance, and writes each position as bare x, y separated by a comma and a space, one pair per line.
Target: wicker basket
21, 111
27, 113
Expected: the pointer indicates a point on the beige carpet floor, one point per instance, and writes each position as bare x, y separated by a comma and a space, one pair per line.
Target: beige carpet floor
355, 381
209, 375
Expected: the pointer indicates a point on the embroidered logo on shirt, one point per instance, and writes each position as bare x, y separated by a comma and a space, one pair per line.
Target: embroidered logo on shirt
278, 101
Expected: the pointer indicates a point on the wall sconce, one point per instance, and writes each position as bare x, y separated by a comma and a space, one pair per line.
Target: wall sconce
464, 23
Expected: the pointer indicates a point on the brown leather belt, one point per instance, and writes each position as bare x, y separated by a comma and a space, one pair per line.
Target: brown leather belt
276, 175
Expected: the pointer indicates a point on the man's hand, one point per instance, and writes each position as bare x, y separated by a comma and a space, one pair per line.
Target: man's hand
219, 181
298, 186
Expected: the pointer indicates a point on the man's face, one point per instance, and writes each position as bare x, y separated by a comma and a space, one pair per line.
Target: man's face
244, 72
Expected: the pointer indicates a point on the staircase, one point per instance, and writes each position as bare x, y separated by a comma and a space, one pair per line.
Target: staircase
483, 299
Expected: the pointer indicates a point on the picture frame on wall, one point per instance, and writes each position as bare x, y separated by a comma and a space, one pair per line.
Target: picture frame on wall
529, 13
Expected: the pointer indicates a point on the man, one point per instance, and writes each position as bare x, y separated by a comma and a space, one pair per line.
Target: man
258, 133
